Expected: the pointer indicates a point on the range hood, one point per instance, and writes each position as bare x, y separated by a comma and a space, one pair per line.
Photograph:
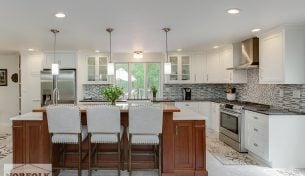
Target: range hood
249, 56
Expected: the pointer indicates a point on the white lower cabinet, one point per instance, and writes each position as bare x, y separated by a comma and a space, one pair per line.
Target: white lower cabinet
276, 139
215, 116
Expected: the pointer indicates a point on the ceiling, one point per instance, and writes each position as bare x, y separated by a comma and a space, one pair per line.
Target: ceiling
196, 24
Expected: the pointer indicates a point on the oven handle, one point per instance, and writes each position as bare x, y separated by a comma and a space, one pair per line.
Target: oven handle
232, 114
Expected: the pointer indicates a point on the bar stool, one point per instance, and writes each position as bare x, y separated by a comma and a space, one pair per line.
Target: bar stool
104, 127
145, 128
64, 124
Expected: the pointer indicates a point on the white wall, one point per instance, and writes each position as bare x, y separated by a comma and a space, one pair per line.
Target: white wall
31, 65
9, 95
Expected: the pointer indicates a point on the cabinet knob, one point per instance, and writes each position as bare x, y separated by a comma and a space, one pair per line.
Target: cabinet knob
255, 117
255, 129
255, 144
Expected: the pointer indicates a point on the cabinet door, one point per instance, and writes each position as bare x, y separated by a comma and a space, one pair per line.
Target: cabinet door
185, 68
213, 67
67, 60
215, 116
205, 109
97, 69
226, 59
183, 145
271, 59
197, 70
175, 72
91, 67
19, 142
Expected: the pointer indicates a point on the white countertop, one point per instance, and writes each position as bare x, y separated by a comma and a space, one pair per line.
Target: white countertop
29, 116
186, 114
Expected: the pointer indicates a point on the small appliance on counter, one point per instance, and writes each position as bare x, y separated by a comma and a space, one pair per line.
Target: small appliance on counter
187, 93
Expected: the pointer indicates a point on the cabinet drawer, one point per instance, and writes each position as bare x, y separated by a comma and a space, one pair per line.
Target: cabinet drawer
256, 128
258, 145
257, 118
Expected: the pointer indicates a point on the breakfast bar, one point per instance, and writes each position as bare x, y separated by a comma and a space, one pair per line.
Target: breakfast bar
183, 143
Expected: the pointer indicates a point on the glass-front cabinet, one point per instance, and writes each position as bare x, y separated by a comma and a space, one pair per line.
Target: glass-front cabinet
97, 69
180, 69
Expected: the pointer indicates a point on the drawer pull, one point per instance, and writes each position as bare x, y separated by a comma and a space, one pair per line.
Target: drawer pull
255, 117
256, 130
176, 130
255, 144
187, 105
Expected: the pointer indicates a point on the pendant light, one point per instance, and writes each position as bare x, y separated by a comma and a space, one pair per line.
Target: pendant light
167, 64
55, 66
110, 65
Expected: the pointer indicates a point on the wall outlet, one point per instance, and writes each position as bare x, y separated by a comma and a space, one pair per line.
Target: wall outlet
296, 94
281, 93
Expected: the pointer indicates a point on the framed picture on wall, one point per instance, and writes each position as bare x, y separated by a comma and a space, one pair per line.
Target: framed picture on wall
3, 77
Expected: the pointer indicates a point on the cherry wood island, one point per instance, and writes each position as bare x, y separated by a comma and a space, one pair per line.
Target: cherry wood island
183, 150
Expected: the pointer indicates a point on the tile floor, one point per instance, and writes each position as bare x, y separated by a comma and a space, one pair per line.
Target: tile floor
214, 167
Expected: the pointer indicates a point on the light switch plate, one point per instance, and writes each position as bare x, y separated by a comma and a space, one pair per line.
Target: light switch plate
281, 93
296, 94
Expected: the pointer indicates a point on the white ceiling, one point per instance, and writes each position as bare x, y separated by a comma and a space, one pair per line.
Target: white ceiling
195, 23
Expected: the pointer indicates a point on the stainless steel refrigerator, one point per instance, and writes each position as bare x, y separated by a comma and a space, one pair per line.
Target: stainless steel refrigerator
66, 83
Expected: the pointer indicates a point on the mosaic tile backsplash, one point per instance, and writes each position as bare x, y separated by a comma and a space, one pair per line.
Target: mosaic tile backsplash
94, 90
253, 92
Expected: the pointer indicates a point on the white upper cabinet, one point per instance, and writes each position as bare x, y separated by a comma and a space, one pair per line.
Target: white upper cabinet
181, 69
282, 56
66, 60
96, 70
214, 70
198, 68
228, 59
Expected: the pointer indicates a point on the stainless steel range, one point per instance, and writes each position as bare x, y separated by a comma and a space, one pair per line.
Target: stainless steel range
232, 126
232, 123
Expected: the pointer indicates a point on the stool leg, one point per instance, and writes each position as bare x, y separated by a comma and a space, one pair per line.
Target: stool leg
89, 144
119, 154
51, 151
160, 155
129, 158
80, 155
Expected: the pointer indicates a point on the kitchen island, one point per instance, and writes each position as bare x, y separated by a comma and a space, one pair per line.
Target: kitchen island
184, 145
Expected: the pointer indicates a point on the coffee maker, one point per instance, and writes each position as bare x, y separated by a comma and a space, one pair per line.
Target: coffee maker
187, 93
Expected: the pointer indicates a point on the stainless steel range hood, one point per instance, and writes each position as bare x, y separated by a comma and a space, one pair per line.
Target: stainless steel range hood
249, 57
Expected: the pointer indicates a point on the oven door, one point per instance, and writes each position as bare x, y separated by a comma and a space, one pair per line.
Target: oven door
230, 124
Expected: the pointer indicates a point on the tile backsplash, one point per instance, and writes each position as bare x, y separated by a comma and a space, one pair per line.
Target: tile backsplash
94, 90
275, 95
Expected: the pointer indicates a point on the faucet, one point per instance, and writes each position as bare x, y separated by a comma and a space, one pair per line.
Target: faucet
55, 96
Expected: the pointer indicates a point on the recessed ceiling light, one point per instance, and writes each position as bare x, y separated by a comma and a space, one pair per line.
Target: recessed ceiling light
215, 47
30, 49
233, 11
179, 49
97, 51
60, 15
256, 30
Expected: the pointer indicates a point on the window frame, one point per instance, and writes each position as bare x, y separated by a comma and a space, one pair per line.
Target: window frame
145, 78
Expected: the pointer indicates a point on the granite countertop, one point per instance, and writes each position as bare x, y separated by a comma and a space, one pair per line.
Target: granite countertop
273, 111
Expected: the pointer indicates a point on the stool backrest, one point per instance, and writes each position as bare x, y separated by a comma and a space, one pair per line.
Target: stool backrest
145, 120
104, 119
63, 119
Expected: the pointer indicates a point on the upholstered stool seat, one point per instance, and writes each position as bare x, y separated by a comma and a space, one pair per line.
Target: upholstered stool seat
69, 138
110, 138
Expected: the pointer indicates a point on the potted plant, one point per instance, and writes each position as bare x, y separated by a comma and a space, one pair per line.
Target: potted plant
154, 91
112, 93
